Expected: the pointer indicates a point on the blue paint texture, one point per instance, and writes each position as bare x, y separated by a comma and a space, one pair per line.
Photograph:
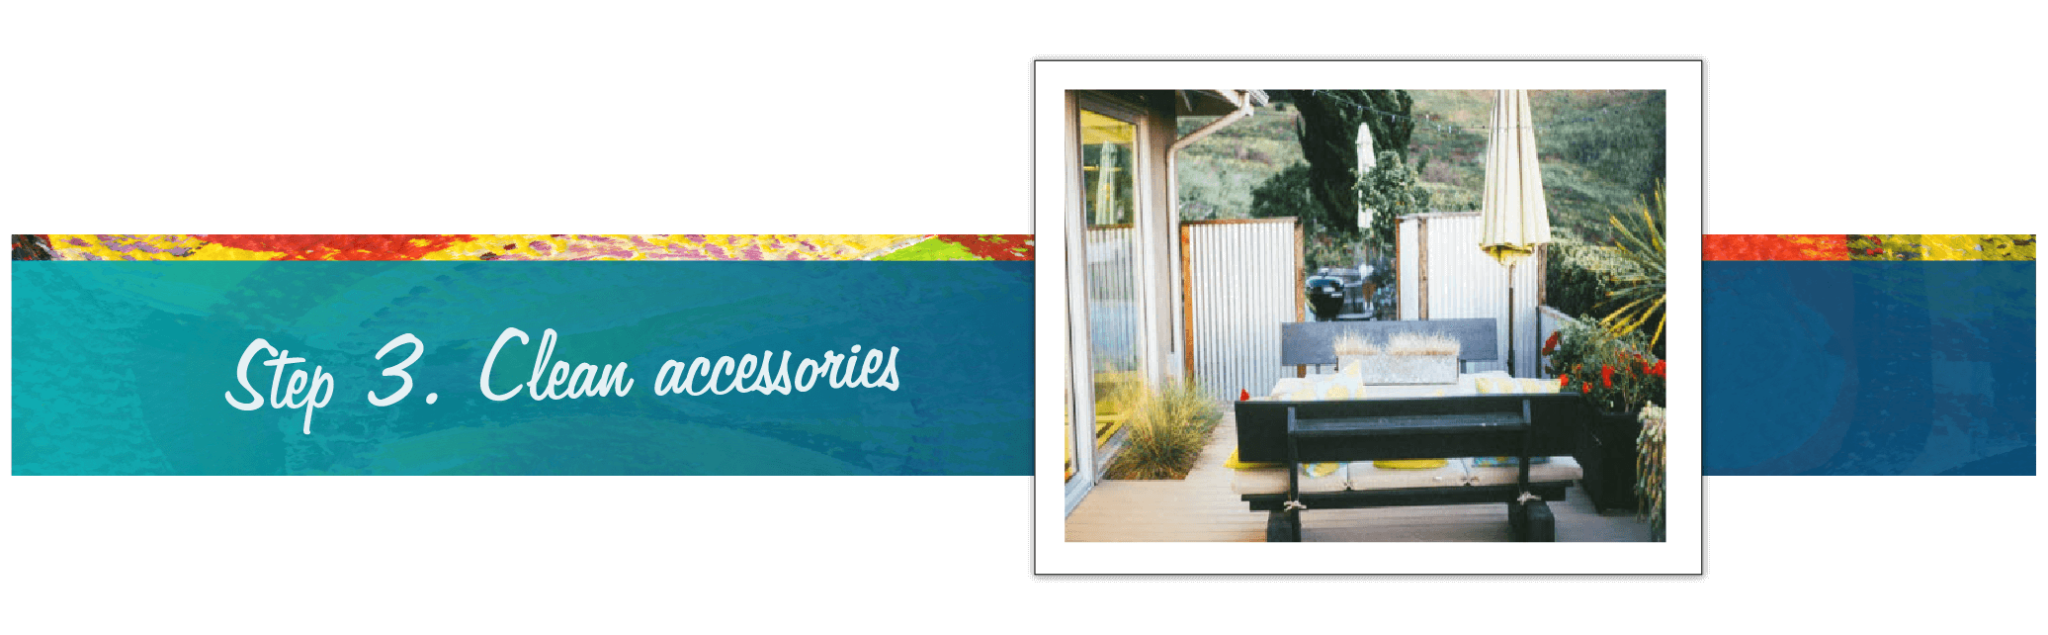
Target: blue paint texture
1869, 368
122, 368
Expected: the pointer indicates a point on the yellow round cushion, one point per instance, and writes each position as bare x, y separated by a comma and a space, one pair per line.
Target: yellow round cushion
1235, 464
1411, 464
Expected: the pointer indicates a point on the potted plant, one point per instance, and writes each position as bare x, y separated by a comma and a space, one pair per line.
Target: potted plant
1618, 376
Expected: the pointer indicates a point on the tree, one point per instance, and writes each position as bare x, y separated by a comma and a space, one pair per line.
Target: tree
1329, 140
1287, 194
1391, 190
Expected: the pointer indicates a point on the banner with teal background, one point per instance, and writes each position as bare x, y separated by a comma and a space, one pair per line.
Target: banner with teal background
132, 367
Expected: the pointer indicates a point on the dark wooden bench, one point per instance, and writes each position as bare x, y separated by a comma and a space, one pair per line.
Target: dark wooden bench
1297, 432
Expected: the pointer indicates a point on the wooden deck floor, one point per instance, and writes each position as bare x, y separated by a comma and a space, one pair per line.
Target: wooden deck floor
1202, 508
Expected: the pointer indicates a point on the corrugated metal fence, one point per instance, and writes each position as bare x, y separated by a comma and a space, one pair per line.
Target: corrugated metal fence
1241, 280
1443, 274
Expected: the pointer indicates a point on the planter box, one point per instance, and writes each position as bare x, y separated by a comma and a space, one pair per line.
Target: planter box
1409, 369
1607, 454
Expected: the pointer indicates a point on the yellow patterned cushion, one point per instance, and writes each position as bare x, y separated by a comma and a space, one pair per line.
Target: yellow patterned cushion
1411, 464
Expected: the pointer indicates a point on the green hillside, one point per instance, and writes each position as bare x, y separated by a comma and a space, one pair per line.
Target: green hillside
1600, 150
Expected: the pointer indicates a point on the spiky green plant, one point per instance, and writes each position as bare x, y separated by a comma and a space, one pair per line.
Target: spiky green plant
1639, 294
1165, 433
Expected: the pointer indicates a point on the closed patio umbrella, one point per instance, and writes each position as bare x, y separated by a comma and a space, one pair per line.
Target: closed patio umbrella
1514, 218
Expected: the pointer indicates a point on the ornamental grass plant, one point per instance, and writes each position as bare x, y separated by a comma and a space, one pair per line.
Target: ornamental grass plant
1352, 343
1419, 344
1165, 432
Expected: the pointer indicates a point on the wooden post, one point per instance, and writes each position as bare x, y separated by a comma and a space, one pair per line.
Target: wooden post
1187, 304
1422, 266
1300, 287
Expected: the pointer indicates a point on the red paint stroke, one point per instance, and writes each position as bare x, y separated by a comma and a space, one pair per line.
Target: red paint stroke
1775, 247
993, 246
340, 247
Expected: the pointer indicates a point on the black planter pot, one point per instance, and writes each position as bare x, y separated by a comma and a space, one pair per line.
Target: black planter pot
1607, 454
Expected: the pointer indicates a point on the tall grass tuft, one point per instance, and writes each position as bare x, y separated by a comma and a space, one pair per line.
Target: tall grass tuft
1353, 343
1166, 431
1421, 344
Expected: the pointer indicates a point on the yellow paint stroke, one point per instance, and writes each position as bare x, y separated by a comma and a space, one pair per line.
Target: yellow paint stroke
676, 246
1973, 247
522, 247
146, 247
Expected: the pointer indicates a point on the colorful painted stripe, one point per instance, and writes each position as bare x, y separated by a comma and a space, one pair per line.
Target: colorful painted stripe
1868, 247
554, 247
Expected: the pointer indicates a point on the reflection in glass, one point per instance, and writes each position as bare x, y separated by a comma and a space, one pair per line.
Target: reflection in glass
1109, 197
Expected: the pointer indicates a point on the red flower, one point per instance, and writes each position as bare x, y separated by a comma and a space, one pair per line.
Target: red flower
1586, 388
1606, 376
1564, 381
1244, 395
1550, 345
1658, 370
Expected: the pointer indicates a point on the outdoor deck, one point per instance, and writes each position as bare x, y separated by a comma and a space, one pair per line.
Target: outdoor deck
1202, 508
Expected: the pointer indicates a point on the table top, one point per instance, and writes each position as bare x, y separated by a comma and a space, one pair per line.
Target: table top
1318, 387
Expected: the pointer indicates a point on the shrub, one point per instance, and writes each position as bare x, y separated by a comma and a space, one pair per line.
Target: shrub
1166, 431
1617, 374
1579, 277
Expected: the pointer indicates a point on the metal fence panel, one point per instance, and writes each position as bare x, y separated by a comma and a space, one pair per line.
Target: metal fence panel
1464, 282
1242, 284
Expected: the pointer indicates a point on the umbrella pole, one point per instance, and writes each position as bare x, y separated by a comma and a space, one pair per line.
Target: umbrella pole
1511, 319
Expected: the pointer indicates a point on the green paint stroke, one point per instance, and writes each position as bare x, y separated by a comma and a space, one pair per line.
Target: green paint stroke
934, 249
